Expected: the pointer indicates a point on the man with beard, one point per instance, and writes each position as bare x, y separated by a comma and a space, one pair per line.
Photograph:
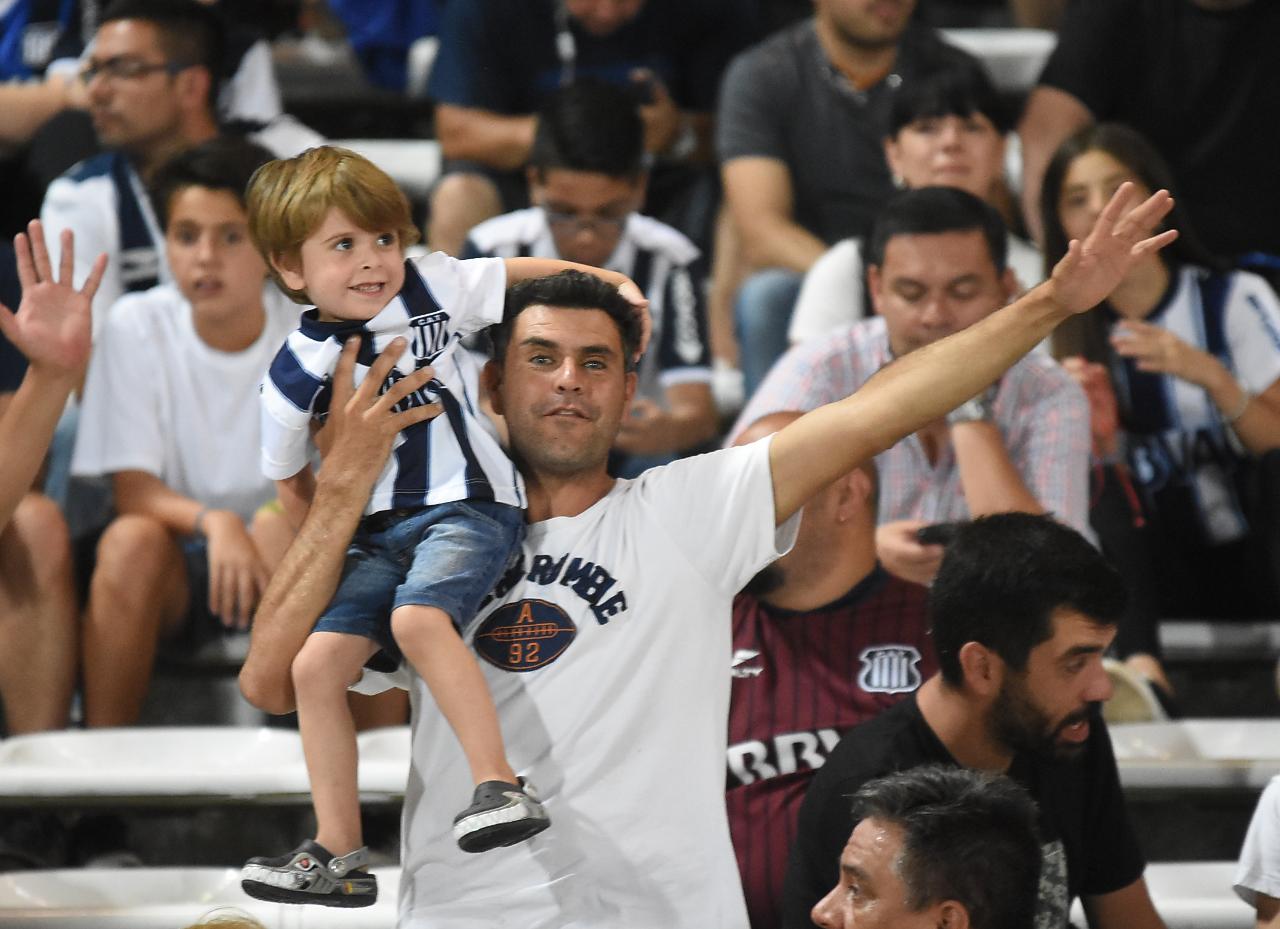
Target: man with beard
823, 639
1022, 610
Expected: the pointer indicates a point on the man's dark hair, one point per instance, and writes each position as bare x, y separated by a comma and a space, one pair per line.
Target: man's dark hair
961, 90
967, 836
590, 126
574, 290
223, 163
1003, 577
190, 33
935, 210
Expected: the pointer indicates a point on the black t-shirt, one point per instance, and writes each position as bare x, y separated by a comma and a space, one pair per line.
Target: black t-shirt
1089, 845
1202, 87
783, 99
502, 55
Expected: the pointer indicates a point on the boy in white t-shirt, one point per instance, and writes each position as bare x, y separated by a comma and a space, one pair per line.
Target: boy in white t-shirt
168, 414
443, 519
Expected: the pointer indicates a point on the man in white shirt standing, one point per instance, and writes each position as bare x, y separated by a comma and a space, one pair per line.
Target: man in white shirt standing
605, 647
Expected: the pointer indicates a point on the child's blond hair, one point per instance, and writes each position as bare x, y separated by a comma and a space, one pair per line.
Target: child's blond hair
288, 199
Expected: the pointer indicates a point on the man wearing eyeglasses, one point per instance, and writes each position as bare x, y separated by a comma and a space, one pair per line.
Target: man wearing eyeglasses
587, 178
151, 79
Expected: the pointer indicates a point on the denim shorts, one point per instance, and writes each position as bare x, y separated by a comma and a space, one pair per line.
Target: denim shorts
448, 556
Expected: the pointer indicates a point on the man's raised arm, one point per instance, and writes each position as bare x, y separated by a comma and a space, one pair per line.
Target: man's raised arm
363, 427
930, 382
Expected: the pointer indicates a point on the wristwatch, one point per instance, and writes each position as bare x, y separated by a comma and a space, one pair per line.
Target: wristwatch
979, 409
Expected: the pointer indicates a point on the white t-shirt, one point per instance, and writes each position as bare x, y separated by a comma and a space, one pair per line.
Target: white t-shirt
158, 399
832, 295
606, 662
1259, 868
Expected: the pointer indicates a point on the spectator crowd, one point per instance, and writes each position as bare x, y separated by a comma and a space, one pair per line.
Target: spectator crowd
865, 416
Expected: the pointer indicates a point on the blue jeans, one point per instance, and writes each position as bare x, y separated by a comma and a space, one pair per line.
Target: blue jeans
448, 556
762, 313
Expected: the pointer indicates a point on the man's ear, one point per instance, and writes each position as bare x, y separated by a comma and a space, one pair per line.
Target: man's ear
193, 85
289, 267
632, 380
874, 283
982, 668
491, 379
854, 495
1011, 286
891, 156
951, 914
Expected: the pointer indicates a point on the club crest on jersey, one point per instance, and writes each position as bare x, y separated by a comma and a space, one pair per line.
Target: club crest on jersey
525, 635
430, 335
889, 669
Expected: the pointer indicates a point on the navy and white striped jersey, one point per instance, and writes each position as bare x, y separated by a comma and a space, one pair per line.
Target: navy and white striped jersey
452, 457
1176, 436
665, 264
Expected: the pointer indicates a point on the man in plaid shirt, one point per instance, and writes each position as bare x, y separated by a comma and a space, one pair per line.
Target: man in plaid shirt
936, 265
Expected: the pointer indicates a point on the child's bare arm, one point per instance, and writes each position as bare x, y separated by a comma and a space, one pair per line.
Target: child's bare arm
296, 494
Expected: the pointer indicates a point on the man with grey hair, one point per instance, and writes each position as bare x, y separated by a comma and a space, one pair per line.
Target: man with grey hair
937, 846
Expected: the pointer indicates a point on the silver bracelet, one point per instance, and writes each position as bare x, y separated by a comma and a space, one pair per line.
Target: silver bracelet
1246, 397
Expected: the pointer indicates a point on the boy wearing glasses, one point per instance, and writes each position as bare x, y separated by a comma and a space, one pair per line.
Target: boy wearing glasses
587, 179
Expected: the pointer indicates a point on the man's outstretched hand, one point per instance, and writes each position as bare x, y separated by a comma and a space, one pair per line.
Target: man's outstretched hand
53, 327
1121, 236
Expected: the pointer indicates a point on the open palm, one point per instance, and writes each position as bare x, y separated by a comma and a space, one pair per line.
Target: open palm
53, 327
1091, 269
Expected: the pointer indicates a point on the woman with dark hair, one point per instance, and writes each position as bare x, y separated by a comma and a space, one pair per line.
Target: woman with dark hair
946, 130
1182, 365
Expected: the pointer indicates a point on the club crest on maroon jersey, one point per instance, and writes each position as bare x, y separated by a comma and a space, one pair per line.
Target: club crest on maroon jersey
890, 669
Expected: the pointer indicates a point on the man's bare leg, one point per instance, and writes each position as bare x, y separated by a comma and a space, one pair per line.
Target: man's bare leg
138, 594
37, 617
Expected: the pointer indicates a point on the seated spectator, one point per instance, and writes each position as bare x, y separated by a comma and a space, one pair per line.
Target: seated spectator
1022, 610
823, 639
800, 135
1258, 875
1194, 77
170, 414
945, 130
151, 79
44, 40
52, 329
937, 846
500, 59
587, 179
936, 266
1192, 352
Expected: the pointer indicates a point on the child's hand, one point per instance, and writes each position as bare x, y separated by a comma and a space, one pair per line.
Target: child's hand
632, 293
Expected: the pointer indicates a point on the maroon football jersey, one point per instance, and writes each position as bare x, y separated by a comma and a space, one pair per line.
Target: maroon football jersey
800, 681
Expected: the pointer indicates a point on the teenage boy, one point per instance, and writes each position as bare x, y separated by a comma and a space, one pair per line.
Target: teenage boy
440, 525
167, 414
